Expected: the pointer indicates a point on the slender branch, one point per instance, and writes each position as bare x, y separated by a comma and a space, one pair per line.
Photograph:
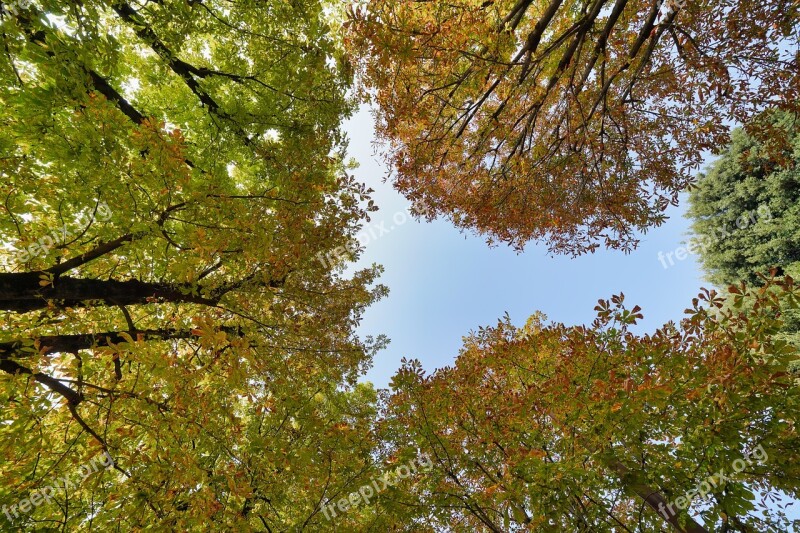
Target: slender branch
12, 367
96, 252
81, 422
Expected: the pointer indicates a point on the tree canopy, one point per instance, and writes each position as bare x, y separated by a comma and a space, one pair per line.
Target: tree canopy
556, 428
574, 122
174, 355
745, 210
169, 172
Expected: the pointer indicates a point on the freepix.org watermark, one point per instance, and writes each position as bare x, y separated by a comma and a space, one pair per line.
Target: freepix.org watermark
668, 8
697, 245
370, 490
365, 236
14, 7
63, 235
68, 482
703, 489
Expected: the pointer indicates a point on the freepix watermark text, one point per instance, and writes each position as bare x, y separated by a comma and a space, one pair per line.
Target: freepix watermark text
366, 492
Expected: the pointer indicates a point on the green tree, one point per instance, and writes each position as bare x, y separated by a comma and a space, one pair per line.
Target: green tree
745, 210
169, 173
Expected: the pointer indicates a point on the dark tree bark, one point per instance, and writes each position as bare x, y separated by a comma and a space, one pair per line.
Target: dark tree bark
22, 292
50, 344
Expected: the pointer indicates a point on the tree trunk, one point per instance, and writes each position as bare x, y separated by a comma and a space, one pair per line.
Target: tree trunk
74, 343
22, 292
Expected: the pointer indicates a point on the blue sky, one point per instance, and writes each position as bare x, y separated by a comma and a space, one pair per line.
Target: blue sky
444, 283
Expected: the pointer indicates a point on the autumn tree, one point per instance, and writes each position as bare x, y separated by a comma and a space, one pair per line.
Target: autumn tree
745, 211
169, 172
556, 428
574, 122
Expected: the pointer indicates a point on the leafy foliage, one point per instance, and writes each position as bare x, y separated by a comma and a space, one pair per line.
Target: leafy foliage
576, 122
555, 428
750, 178
171, 171
745, 210
188, 331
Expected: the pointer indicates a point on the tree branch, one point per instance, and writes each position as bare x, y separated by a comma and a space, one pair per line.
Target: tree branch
11, 367
50, 344
183, 69
22, 292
